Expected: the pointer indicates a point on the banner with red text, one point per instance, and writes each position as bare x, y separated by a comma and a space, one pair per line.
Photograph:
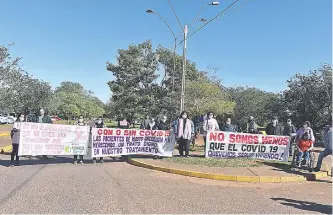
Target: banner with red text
53, 139
113, 142
231, 145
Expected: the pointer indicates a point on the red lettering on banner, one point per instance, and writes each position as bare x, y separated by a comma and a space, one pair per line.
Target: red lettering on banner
129, 132
151, 133
167, 133
243, 138
118, 132
105, 132
214, 136
99, 131
275, 140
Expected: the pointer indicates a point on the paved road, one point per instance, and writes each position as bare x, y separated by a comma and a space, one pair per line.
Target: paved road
57, 186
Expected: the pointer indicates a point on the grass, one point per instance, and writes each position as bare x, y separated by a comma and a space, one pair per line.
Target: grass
199, 160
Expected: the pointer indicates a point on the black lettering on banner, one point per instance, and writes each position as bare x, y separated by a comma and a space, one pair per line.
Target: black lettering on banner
274, 149
232, 147
217, 146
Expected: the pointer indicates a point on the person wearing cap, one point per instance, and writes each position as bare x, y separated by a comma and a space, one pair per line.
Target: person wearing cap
251, 126
290, 130
210, 124
304, 142
274, 128
79, 123
44, 118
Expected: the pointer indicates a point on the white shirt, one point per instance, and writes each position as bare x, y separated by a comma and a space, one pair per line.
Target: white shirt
210, 125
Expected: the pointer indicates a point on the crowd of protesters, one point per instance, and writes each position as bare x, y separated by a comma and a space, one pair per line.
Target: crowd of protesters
185, 131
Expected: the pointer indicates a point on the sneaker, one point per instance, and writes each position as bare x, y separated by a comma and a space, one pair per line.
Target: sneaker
102, 161
11, 165
155, 157
81, 162
75, 162
16, 164
45, 156
188, 156
94, 161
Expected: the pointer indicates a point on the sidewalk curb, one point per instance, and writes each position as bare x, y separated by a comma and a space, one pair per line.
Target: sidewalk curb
4, 134
221, 177
5, 149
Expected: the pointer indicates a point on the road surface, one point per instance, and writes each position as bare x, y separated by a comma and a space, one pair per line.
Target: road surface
57, 186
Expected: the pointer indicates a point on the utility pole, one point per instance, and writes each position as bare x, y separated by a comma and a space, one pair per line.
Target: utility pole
182, 100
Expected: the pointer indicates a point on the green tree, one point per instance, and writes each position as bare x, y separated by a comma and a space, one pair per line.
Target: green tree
309, 97
253, 102
18, 88
203, 95
135, 74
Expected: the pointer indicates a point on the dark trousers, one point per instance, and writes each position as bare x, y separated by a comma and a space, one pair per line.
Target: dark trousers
184, 145
205, 139
81, 157
14, 153
101, 158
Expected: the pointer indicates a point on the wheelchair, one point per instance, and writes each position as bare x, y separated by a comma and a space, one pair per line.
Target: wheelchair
304, 165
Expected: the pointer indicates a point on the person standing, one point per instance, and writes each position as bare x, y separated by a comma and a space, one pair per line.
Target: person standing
29, 117
15, 135
144, 124
328, 148
290, 131
79, 123
274, 128
162, 126
210, 124
252, 126
99, 124
228, 127
151, 124
44, 118
184, 131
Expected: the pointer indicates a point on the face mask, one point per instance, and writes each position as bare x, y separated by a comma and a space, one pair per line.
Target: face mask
163, 120
289, 123
274, 121
210, 116
228, 123
305, 126
80, 120
99, 121
184, 116
21, 119
41, 113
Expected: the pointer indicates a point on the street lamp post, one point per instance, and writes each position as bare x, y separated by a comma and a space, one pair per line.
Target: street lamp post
185, 31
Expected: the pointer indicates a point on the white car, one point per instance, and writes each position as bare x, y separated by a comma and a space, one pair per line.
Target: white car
3, 120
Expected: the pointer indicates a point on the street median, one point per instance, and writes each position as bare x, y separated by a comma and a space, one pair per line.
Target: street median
268, 174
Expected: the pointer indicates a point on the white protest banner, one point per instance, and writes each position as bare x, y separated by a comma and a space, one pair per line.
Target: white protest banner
53, 139
112, 142
231, 145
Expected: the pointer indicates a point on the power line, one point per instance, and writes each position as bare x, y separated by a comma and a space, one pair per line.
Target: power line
223, 12
181, 26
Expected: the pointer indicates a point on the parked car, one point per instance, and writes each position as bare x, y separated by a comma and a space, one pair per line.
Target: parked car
3, 119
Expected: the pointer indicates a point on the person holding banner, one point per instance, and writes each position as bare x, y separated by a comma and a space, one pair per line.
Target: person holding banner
15, 135
210, 124
79, 123
44, 118
99, 124
184, 132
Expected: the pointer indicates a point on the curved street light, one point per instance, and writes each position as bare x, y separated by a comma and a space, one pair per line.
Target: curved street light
185, 31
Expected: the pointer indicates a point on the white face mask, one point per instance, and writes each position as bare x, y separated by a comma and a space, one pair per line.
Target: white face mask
99, 121
80, 120
21, 119
228, 122
184, 116
41, 112
164, 120
289, 123
274, 121
210, 116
